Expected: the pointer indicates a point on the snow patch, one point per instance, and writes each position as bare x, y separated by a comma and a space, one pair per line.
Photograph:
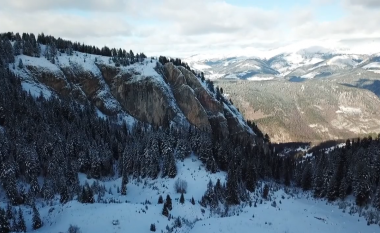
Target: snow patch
258, 78
349, 110
36, 89
373, 65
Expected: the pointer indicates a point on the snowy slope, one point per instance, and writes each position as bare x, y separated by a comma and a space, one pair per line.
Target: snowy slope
294, 212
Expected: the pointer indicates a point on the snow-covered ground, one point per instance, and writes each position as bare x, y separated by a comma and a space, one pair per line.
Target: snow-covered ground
136, 211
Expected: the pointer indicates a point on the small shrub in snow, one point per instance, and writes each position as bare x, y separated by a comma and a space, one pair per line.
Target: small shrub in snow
73, 229
180, 186
115, 222
192, 201
178, 223
274, 204
152, 227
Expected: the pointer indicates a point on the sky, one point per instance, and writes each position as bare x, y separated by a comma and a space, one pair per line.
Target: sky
180, 28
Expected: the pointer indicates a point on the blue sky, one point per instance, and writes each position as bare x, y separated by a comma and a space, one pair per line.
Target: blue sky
182, 28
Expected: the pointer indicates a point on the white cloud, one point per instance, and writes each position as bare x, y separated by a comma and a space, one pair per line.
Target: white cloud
363, 3
182, 28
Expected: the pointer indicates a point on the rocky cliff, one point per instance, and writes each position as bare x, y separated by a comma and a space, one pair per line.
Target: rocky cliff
160, 95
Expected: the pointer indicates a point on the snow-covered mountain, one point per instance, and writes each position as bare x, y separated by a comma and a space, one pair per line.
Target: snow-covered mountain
306, 63
234, 68
335, 64
145, 91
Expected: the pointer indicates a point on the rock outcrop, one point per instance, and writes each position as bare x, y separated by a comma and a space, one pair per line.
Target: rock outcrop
149, 92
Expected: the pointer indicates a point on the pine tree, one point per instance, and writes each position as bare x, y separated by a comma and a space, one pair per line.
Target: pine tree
4, 222
64, 195
265, 191
20, 64
168, 202
9, 211
165, 210
169, 167
178, 223
21, 222
182, 199
307, 177
376, 202
160, 200
124, 181
152, 227
192, 201
37, 223
362, 186
232, 197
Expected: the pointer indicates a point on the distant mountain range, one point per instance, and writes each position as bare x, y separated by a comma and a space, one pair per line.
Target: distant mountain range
308, 63
312, 94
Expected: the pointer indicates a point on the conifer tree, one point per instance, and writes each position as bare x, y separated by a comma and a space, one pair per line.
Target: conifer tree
168, 202
160, 200
232, 196
21, 222
37, 223
192, 201
20, 64
4, 222
182, 199
124, 182
376, 202
165, 210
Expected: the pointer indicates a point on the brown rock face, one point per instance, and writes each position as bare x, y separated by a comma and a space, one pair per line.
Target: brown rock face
93, 87
199, 106
185, 98
207, 101
55, 80
144, 99
176, 96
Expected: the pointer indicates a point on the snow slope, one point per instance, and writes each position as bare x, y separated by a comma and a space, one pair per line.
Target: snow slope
294, 212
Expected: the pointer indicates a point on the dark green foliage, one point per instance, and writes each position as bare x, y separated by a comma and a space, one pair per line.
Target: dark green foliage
178, 223
160, 200
20, 64
37, 223
64, 195
153, 227
74, 229
182, 199
124, 181
232, 196
307, 177
21, 227
87, 195
265, 191
4, 222
192, 201
165, 210
9, 211
209, 198
168, 202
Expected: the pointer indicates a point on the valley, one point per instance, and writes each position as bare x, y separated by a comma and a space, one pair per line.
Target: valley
310, 95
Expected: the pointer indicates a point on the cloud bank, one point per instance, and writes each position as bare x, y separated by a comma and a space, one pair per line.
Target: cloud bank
183, 28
